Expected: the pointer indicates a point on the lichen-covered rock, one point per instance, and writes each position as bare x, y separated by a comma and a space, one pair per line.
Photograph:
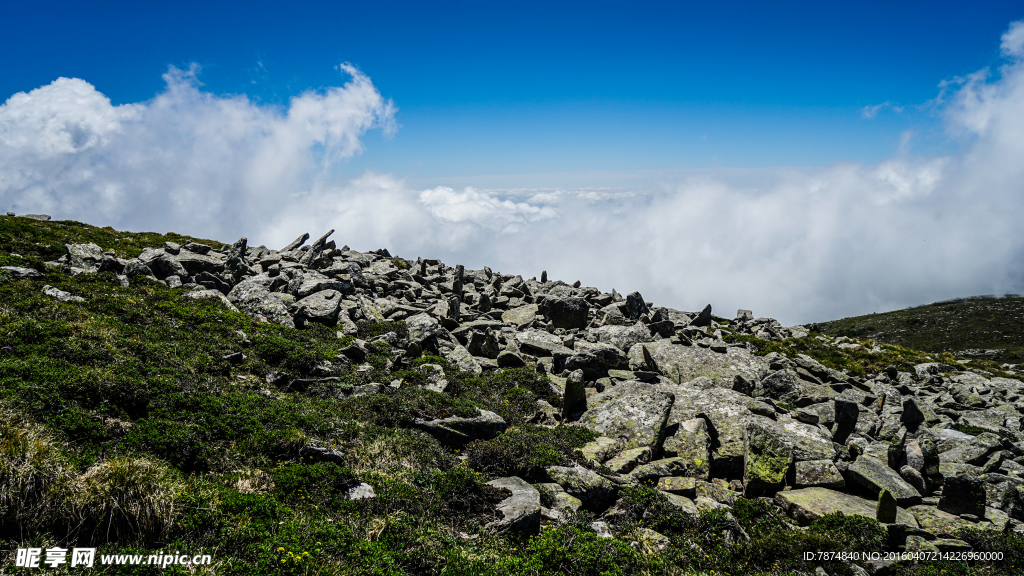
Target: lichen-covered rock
936, 521
666, 467
627, 460
520, 316
320, 307
691, 441
623, 337
875, 476
520, 511
541, 343
556, 498
633, 412
808, 504
681, 485
596, 359
684, 363
574, 397
817, 473
460, 357
599, 449
886, 509
683, 503
252, 297
767, 457
211, 295
963, 494
422, 327
725, 411
595, 492
975, 450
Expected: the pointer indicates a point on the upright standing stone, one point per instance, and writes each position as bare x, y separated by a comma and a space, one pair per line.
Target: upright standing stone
544, 276
457, 300
886, 511
635, 307
847, 413
703, 318
767, 457
574, 399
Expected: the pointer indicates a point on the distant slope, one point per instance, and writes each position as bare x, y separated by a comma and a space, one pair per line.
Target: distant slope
972, 327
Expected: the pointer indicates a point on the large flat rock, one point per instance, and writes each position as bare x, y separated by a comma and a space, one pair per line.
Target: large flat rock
807, 504
633, 412
684, 363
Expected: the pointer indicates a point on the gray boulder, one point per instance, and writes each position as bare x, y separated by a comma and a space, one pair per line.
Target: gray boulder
456, 431
211, 295
194, 262
565, 312
963, 494
18, 272
596, 359
821, 473
320, 307
61, 295
520, 512
634, 307
685, 363
767, 457
623, 337
574, 397
632, 412
808, 504
86, 256
875, 476
595, 492
250, 296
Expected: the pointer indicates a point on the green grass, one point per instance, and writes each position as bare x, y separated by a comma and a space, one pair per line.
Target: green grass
950, 326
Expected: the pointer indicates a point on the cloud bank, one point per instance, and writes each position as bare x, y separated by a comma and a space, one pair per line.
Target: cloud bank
796, 244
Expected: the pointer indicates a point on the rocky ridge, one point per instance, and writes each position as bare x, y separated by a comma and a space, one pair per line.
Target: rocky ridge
677, 405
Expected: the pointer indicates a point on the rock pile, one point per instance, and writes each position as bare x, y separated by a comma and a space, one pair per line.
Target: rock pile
677, 406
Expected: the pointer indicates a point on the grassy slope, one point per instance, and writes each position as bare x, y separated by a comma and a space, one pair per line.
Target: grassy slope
951, 326
121, 425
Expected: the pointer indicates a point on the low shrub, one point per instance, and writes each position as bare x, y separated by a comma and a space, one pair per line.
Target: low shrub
858, 532
525, 450
319, 484
174, 442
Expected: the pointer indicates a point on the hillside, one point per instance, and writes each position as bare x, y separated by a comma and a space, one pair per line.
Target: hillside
981, 327
313, 409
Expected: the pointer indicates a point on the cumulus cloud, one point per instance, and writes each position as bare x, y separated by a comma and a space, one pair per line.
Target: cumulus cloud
186, 160
796, 244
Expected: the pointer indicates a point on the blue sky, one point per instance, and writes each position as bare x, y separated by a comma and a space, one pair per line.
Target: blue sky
488, 88
738, 108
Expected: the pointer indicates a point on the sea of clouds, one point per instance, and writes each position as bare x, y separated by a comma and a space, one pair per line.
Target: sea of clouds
796, 244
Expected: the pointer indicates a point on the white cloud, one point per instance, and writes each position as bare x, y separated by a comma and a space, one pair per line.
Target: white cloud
185, 160
796, 244
1013, 40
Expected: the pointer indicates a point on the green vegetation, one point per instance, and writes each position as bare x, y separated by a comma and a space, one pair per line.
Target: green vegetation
123, 426
952, 326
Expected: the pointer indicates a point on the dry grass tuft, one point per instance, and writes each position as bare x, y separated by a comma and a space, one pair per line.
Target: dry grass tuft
128, 500
36, 481
252, 481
